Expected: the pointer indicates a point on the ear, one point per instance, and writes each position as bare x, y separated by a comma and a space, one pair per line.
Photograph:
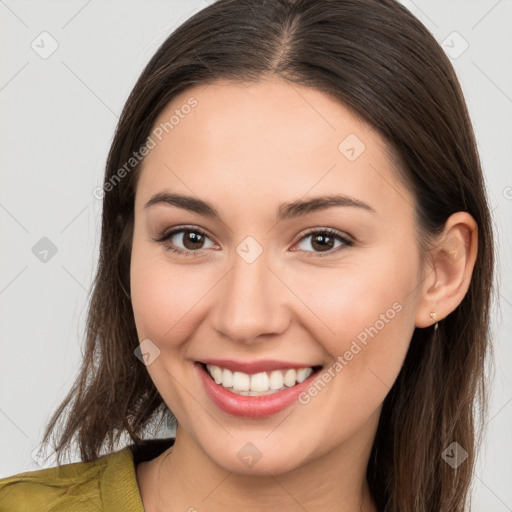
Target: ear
449, 268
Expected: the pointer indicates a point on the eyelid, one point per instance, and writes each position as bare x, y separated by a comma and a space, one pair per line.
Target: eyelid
332, 231
168, 234
347, 240
172, 231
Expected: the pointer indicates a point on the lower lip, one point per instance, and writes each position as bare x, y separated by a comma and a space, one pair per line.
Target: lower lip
252, 406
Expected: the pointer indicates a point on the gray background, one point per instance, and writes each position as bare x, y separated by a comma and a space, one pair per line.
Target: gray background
58, 117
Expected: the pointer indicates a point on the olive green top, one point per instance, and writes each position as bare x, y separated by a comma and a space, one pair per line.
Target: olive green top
108, 483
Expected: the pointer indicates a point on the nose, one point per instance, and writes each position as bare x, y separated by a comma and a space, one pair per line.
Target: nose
251, 302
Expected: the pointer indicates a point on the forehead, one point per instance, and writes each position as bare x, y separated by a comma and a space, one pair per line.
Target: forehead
264, 140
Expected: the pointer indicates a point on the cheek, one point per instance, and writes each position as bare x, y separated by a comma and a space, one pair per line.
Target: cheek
364, 312
349, 301
369, 312
164, 296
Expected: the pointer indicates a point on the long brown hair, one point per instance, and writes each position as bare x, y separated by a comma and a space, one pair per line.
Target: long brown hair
379, 61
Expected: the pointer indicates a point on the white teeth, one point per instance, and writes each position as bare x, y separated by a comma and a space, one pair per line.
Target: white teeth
303, 374
216, 373
262, 383
290, 378
241, 381
259, 382
276, 380
227, 378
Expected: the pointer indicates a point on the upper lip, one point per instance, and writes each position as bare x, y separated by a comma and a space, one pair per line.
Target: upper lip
250, 367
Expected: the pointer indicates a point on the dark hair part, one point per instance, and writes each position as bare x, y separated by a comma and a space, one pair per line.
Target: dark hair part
379, 61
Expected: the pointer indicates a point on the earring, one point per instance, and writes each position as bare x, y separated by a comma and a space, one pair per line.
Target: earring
433, 315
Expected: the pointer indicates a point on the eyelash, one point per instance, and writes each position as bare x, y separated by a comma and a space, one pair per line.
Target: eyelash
332, 232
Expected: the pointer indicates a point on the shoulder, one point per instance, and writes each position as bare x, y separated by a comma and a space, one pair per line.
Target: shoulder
79, 486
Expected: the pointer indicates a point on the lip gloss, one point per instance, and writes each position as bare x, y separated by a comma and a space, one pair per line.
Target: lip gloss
251, 406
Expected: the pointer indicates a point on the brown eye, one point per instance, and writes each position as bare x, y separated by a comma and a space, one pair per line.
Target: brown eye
187, 241
323, 241
192, 240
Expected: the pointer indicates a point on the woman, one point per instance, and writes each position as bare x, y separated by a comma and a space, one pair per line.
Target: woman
296, 260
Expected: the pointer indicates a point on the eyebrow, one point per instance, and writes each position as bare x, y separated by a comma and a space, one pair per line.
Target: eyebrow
285, 211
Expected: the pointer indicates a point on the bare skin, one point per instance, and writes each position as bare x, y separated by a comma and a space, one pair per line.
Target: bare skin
245, 149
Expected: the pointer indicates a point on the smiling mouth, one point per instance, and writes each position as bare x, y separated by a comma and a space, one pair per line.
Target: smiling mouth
258, 384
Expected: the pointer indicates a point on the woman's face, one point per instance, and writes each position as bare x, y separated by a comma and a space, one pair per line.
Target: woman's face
254, 285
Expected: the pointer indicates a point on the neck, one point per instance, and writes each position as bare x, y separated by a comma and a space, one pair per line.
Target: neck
185, 478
